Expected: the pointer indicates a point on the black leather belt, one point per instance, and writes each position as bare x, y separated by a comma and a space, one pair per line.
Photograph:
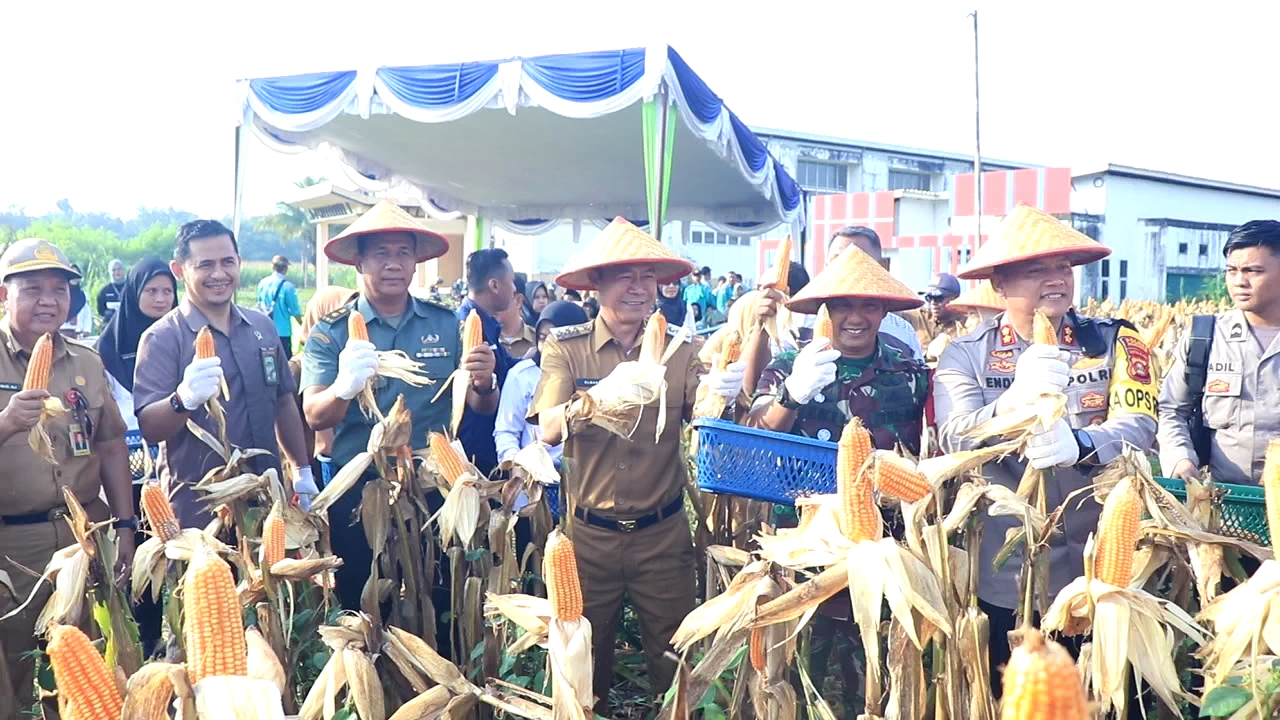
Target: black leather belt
626, 526
34, 518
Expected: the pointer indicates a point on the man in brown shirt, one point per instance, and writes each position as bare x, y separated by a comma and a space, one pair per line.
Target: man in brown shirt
631, 533
88, 444
171, 386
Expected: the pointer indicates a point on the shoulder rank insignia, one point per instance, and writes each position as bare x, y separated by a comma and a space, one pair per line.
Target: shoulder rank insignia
336, 315
1068, 334
570, 331
1007, 336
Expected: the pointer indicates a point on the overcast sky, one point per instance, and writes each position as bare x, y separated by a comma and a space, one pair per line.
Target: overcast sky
119, 105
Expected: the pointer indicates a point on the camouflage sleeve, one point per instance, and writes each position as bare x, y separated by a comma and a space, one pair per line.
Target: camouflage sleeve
1131, 402
958, 403
770, 382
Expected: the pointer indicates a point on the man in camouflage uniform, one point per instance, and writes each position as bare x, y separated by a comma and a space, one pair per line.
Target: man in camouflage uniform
861, 373
1102, 367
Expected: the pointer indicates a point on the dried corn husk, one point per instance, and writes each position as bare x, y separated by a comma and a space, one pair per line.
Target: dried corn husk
38, 438
617, 402
218, 698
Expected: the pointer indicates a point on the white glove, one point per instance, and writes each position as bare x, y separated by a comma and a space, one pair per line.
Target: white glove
1055, 447
200, 381
813, 369
357, 363
304, 486
727, 383
1041, 369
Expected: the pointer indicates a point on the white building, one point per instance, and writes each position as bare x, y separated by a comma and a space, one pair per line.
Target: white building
1166, 231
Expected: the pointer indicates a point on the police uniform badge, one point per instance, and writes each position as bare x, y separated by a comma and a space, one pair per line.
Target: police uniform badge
1068, 334
270, 358
1007, 336
1237, 332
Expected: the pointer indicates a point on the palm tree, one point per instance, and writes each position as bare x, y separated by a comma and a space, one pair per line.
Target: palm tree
291, 224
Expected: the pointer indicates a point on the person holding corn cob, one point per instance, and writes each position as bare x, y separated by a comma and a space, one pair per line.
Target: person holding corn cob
87, 445
207, 347
631, 534
338, 365
1102, 367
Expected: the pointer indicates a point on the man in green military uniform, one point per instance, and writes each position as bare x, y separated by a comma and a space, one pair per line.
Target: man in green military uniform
385, 244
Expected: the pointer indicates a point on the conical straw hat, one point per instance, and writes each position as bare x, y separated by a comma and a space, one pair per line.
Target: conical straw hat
622, 243
385, 217
981, 297
854, 274
1027, 234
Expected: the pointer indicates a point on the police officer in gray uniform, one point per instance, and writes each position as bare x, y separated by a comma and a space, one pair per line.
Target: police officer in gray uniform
1102, 367
1220, 404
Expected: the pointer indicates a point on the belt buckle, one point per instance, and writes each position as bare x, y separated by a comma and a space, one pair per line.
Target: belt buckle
58, 513
627, 526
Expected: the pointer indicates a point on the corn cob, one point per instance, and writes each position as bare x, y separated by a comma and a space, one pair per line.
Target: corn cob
1118, 530
896, 477
205, 346
757, 649
730, 351
859, 518
1042, 331
1041, 682
822, 326
159, 512
446, 458
1271, 491
40, 365
472, 333
273, 537
781, 268
82, 676
560, 573
357, 329
213, 628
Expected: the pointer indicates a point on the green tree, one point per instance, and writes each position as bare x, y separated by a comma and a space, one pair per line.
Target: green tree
293, 226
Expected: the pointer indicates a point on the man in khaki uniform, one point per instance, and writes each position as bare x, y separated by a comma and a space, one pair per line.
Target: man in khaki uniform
630, 530
88, 443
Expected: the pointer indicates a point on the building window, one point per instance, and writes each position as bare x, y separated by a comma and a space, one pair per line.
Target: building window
908, 181
1106, 279
822, 176
740, 240
1204, 250
703, 237
1182, 248
1124, 279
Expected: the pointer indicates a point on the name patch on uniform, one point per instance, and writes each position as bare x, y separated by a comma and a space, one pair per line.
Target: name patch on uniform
1093, 401
10, 386
1003, 366
586, 382
999, 383
1086, 378
432, 352
1222, 367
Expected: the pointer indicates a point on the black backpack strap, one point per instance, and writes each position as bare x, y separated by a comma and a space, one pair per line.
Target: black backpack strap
1096, 338
1201, 344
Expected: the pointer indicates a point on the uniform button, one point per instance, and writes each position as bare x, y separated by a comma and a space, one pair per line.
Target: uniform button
622, 466
820, 397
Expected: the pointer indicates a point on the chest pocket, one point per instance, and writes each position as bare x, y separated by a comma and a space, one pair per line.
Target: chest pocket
1222, 399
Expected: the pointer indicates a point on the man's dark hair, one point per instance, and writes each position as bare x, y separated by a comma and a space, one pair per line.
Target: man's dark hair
592, 306
705, 271
856, 231
574, 295
797, 277
200, 230
1255, 233
280, 263
484, 265
720, 279
521, 281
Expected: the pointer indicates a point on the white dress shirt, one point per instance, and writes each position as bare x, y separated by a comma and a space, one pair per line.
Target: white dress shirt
511, 431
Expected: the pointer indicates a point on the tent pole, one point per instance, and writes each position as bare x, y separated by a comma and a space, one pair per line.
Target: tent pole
658, 218
238, 197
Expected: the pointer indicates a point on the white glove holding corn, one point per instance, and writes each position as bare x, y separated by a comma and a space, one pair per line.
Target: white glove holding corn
304, 486
200, 381
814, 368
357, 363
727, 383
1055, 447
1041, 369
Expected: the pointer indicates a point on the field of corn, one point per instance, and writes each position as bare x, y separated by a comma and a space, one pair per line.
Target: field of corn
1162, 611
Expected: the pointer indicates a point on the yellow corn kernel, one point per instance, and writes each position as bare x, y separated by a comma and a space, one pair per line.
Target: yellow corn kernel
1271, 491
782, 266
446, 458
212, 627
822, 325
560, 573
757, 649
205, 346
1118, 531
730, 351
1041, 682
655, 339
896, 477
357, 329
860, 517
82, 675
159, 512
472, 332
40, 365
273, 537
1042, 331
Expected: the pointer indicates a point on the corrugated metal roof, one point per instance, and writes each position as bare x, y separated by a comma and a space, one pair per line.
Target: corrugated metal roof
1176, 179
991, 163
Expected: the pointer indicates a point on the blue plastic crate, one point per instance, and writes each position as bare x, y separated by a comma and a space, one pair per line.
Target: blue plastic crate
761, 464
551, 495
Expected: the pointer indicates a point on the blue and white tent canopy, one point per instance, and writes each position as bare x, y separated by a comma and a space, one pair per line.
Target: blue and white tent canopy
570, 144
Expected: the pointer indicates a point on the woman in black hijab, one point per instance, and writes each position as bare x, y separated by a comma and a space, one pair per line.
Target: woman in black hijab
149, 292
671, 303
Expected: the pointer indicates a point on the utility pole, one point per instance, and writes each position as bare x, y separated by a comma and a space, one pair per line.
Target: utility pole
977, 142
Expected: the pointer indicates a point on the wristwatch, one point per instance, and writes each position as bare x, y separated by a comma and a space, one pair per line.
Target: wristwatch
493, 385
1088, 453
175, 402
788, 402
126, 524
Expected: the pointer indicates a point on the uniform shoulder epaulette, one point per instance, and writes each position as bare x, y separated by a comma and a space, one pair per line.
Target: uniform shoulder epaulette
336, 315
979, 333
571, 331
436, 305
80, 344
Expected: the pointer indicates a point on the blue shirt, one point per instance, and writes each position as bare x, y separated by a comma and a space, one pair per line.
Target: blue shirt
476, 431
700, 295
278, 298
